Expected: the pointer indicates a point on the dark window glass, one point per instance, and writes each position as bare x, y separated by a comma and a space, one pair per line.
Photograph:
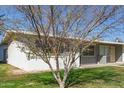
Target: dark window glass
89, 51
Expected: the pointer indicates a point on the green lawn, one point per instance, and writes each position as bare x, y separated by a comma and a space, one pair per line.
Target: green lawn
93, 77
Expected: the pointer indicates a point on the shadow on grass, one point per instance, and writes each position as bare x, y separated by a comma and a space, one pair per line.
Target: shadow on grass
78, 76
45, 78
2, 62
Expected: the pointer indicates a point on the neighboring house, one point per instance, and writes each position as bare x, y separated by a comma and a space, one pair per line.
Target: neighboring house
101, 52
3, 53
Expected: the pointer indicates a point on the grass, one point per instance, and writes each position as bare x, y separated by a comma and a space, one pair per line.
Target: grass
121, 65
84, 78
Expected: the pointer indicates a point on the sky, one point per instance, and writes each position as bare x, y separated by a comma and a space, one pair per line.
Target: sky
12, 14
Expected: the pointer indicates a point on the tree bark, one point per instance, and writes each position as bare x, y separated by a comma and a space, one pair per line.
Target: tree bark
61, 84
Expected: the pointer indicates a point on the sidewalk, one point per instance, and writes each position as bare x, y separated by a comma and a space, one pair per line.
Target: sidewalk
119, 64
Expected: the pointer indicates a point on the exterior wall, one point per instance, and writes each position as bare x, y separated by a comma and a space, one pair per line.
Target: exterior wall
2, 52
112, 54
118, 53
19, 59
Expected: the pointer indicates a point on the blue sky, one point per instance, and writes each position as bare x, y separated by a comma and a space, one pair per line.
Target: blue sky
11, 13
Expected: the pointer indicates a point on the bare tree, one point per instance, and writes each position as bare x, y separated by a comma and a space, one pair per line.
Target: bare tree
2, 26
64, 31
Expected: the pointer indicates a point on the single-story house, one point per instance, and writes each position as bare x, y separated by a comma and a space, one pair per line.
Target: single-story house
101, 52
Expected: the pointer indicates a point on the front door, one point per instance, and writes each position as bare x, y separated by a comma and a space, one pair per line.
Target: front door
104, 54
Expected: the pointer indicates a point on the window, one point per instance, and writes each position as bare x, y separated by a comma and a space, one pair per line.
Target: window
89, 51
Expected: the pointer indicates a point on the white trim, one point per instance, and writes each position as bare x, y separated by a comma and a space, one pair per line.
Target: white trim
109, 42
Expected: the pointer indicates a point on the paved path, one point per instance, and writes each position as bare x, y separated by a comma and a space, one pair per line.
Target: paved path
102, 65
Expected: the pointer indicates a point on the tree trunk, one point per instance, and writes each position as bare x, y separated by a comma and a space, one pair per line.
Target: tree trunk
61, 85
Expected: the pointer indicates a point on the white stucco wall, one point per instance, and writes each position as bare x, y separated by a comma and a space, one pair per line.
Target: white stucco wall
19, 59
123, 53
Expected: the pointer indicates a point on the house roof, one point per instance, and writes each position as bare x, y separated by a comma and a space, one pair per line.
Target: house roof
34, 34
109, 42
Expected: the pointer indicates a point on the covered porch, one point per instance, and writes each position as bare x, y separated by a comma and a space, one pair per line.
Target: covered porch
102, 53
109, 53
